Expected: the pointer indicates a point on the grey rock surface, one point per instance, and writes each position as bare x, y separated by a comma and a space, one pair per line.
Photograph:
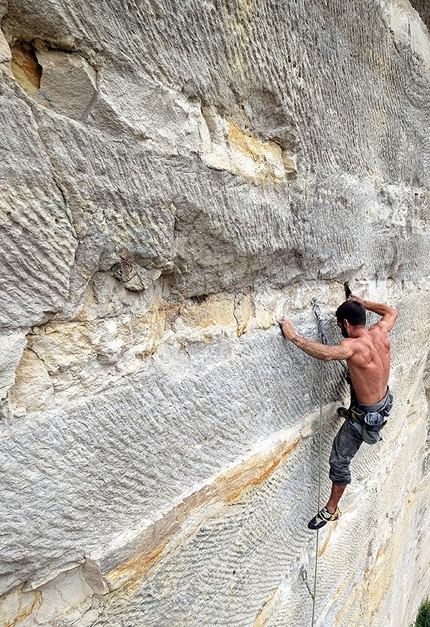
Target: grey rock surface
174, 177
67, 82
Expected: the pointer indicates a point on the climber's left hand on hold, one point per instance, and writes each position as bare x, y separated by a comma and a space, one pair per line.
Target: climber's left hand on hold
287, 328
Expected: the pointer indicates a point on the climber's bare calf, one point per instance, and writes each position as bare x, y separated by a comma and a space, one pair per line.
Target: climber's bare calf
367, 352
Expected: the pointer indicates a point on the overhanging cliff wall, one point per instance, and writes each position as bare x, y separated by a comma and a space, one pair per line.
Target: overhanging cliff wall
174, 178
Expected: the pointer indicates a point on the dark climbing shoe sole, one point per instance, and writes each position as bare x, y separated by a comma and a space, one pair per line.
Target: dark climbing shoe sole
323, 517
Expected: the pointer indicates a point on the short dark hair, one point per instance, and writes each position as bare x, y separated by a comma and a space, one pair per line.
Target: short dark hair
352, 311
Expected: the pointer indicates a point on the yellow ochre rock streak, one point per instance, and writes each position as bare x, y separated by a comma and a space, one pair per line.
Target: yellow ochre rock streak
226, 487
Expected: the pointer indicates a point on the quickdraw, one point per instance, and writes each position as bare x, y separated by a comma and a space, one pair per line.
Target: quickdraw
317, 313
304, 574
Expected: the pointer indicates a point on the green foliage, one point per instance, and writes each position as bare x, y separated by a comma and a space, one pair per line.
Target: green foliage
423, 616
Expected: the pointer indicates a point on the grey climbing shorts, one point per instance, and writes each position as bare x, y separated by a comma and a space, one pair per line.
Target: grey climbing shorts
345, 445
348, 440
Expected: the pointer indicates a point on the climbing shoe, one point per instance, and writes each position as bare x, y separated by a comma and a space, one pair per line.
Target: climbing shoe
342, 412
323, 517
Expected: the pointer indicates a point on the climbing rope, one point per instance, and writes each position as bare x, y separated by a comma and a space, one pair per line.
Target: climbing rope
317, 313
303, 572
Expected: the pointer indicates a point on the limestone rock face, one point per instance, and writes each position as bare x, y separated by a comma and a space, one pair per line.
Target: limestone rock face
67, 82
423, 9
174, 177
12, 346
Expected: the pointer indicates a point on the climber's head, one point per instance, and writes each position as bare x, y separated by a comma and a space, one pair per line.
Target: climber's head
350, 311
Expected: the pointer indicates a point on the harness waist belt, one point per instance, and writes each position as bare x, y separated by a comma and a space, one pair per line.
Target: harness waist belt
385, 403
368, 420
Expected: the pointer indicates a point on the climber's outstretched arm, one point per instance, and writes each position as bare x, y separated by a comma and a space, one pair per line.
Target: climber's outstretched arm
344, 350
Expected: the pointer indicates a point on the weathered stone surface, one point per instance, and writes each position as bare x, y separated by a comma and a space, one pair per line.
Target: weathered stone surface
227, 146
25, 68
32, 387
423, 9
37, 240
175, 176
68, 82
5, 54
11, 348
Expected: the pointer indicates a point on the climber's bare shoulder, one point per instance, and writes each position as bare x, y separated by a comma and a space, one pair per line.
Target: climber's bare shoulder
378, 334
356, 351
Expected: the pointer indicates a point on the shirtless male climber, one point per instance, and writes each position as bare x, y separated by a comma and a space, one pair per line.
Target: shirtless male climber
367, 352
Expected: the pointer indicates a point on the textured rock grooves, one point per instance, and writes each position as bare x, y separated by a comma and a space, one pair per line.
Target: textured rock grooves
174, 177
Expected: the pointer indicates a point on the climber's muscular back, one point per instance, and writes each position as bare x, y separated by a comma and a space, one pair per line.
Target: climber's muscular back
369, 363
